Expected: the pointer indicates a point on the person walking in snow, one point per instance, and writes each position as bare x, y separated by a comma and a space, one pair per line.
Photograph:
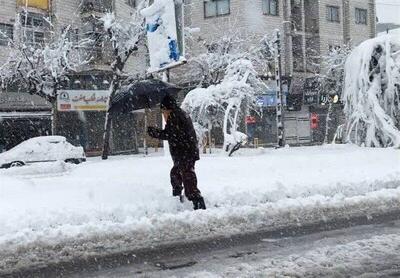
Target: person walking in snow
183, 145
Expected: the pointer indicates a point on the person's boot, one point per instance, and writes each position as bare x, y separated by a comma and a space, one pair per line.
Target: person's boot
198, 203
177, 191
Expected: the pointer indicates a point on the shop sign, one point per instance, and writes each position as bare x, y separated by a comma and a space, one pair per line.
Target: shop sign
250, 120
266, 100
82, 100
22, 101
310, 97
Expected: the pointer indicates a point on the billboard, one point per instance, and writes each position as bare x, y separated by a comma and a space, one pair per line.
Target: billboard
82, 100
164, 26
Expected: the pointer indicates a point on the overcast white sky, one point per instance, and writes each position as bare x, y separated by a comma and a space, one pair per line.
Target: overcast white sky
388, 11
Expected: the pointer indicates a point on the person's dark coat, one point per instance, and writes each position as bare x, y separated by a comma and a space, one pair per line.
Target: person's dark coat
181, 136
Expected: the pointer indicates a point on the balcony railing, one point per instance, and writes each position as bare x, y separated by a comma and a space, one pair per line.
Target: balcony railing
100, 6
39, 4
99, 55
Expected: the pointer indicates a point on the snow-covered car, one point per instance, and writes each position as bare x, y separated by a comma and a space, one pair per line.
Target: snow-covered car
42, 149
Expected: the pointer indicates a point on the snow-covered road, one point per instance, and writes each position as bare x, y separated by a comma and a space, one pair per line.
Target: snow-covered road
52, 212
361, 251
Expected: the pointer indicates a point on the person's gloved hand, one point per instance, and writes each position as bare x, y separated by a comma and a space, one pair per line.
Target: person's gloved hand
152, 131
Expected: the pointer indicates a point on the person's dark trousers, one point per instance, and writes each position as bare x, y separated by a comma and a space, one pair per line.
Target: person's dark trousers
183, 173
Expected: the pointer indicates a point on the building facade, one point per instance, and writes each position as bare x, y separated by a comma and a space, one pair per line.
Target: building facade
81, 124
309, 29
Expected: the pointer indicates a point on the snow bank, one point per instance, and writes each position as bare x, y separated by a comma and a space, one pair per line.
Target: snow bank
110, 206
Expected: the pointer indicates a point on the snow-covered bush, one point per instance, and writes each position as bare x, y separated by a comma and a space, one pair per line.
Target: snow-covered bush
371, 93
223, 103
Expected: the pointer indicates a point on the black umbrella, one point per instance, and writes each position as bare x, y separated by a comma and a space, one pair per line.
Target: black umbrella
142, 94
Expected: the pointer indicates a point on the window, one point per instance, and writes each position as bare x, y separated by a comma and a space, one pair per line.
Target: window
297, 51
6, 33
361, 16
73, 35
34, 37
131, 3
32, 20
214, 8
334, 48
332, 13
270, 7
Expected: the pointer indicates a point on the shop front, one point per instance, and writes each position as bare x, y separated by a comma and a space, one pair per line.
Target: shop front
22, 116
81, 117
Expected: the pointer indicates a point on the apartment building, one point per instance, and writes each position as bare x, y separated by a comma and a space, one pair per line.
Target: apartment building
309, 29
24, 116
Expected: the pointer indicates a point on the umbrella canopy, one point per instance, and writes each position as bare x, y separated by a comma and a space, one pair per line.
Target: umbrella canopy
142, 94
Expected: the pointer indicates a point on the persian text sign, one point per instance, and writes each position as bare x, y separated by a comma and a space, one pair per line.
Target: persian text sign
82, 100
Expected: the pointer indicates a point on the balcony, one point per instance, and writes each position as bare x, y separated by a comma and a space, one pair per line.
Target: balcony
96, 6
38, 4
100, 57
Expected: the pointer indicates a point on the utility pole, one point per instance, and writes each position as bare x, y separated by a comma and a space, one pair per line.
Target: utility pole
279, 96
165, 78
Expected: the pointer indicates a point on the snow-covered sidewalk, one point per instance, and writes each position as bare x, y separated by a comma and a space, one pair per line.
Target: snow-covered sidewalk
56, 211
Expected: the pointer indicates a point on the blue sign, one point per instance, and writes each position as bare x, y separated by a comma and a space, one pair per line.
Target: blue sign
268, 100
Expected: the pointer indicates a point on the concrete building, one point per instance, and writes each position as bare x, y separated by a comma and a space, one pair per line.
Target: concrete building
84, 125
309, 28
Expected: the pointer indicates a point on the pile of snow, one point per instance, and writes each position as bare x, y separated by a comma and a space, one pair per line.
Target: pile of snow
111, 206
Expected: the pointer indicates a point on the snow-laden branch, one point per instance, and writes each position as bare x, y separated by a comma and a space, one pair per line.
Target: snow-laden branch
210, 62
221, 104
371, 94
124, 36
40, 68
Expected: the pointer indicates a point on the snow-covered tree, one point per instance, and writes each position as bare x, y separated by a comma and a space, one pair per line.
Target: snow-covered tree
371, 93
331, 78
41, 68
214, 62
210, 57
223, 103
214, 58
124, 37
